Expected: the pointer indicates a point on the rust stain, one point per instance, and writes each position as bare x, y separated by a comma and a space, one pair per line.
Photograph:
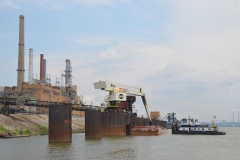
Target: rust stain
66, 121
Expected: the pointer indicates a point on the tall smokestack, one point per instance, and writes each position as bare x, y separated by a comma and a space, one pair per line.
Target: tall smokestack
30, 70
68, 74
41, 67
20, 70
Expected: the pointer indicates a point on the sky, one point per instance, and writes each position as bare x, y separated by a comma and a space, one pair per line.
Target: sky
185, 55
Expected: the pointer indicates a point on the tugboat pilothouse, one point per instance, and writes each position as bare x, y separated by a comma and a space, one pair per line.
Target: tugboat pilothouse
192, 126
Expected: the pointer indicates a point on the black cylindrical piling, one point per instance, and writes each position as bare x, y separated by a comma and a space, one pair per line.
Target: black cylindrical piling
93, 124
60, 123
128, 124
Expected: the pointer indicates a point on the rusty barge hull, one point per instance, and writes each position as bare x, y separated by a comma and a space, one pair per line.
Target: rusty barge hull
147, 131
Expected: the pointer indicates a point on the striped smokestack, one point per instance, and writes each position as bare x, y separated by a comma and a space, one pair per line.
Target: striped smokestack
20, 70
30, 69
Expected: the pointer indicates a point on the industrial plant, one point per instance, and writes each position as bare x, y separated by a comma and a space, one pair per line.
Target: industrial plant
38, 92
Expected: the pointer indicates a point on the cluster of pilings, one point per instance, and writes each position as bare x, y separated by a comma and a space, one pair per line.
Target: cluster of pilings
98, 124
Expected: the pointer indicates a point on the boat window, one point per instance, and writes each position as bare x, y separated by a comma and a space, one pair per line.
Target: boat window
198, 128
184, 129
209, 128
194, 128
202, 128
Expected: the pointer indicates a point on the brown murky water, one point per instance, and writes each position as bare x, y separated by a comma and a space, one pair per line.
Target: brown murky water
168, 146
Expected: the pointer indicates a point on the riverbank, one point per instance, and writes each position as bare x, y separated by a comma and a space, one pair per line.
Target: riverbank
17, 124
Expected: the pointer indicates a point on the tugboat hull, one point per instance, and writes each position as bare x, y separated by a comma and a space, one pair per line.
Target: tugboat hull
198, 133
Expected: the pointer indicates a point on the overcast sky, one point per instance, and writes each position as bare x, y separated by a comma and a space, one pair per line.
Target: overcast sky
184, 54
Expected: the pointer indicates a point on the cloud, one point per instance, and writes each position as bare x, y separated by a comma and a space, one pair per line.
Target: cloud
203, 16
110, 54
179, 80
9, 4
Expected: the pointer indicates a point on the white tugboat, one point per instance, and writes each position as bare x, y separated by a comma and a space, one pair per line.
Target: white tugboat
192, 126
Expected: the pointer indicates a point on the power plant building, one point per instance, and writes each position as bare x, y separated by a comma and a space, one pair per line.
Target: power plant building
45, 93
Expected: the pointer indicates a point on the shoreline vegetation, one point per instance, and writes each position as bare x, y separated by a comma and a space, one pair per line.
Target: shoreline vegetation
27, 132
16, 132
21, 132
32, 125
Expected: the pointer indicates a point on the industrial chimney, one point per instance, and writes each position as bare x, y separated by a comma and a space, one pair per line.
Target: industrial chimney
68, 74
44, 69
20, 70
41, 68
30, 70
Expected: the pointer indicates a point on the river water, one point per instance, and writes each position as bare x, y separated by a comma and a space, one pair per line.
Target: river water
164, 147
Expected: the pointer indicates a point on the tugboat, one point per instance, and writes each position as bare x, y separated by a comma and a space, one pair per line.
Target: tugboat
191, 126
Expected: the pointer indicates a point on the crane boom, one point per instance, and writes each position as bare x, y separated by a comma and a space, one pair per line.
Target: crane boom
146, 107
118, 92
